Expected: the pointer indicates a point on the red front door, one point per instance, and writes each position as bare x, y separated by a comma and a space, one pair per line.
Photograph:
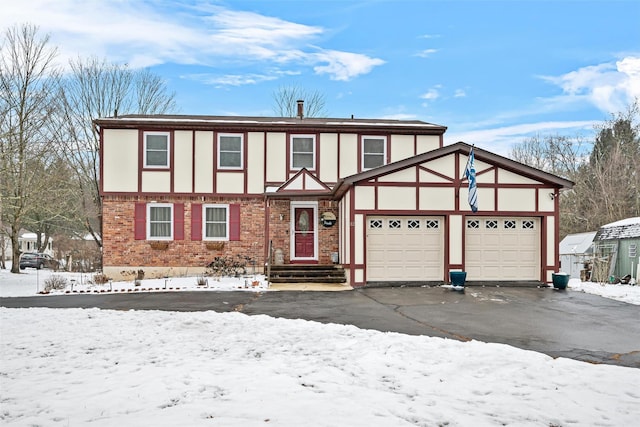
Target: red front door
304, 233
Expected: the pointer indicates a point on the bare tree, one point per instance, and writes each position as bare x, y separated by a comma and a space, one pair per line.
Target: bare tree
286, 102
97, 88
28, 80
556, 154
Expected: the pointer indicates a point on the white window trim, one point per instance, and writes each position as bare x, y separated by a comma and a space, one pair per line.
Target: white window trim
384, 149
241, 151
313, 161
204, 222
158, 205
144, 150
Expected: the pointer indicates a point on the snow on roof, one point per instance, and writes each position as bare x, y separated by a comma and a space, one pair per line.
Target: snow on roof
623, 229
578, 243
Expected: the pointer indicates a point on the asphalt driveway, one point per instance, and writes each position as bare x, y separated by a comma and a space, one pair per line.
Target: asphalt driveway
559, 323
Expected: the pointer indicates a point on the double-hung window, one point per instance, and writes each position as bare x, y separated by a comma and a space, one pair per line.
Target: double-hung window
230, 151
156, 149
374, 150
215, 224
160, 221
303, 153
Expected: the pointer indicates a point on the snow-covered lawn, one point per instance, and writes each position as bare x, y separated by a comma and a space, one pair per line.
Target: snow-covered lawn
72, 367
104, 368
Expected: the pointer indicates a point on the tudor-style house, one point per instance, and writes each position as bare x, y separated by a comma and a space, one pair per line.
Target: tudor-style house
384, 199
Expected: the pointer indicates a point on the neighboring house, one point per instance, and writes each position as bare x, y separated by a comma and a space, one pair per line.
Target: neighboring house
28, 242
576, 251
617, 249
179, 191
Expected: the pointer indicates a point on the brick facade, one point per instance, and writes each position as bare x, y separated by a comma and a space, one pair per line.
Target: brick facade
123, 254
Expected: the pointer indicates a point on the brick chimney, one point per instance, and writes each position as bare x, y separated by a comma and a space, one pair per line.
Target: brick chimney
300, 108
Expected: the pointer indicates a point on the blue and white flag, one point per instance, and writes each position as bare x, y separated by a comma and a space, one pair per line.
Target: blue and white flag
470, 173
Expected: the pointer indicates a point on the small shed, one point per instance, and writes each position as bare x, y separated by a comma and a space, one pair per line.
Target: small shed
576, 251
616, 250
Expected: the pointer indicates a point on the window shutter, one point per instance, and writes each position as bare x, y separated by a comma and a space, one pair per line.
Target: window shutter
196, 221
234, 222
140, 221
178, 221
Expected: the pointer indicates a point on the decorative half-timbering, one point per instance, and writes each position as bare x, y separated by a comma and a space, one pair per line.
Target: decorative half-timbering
385, 199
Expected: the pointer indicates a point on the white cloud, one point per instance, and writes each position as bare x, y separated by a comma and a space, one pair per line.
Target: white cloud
500, 140
432, 93
146, 33
610, 87
230, 79
426, 53
459, 93
344, 65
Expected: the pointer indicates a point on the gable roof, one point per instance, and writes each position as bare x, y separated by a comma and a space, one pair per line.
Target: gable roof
303, 183
623, 229
285, 124
458, 147
575, 244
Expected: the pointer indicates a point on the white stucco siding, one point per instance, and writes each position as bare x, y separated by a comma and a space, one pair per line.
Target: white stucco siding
486, 199
120, 160
203, 162
348, 154
328, 156
455, 239
276, 157
183, 158
230, 183
545, 201
156, 182
402, 147
507, 177
551, 242
404, 175
359, 241
365, 197
255, 162
444, 166
437, 198
427, 176
394, 198
426, 143
516, 199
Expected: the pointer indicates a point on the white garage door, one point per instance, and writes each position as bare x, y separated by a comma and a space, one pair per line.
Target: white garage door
402, 248
502, 249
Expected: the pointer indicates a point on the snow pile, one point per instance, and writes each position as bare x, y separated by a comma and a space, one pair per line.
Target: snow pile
104, 368
625, 293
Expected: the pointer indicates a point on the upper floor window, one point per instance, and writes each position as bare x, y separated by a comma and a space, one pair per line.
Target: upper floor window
160, 221
156, 149
215, 224
230, 151
373, 151
303, 153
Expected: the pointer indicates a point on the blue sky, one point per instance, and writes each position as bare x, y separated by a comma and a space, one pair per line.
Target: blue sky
494, 73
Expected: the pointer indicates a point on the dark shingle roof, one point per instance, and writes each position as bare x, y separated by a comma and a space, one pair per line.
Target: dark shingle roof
625, 229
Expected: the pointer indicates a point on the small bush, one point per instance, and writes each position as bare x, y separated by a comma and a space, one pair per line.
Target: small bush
228, 266
55, 283
202, 281
100, 279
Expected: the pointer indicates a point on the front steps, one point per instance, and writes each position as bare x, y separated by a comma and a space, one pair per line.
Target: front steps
307, 273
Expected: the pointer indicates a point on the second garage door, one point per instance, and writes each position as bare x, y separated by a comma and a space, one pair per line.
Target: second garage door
502, 249
405, 248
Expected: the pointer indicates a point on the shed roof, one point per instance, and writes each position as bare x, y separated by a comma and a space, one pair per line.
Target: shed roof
623, 229
575, 244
